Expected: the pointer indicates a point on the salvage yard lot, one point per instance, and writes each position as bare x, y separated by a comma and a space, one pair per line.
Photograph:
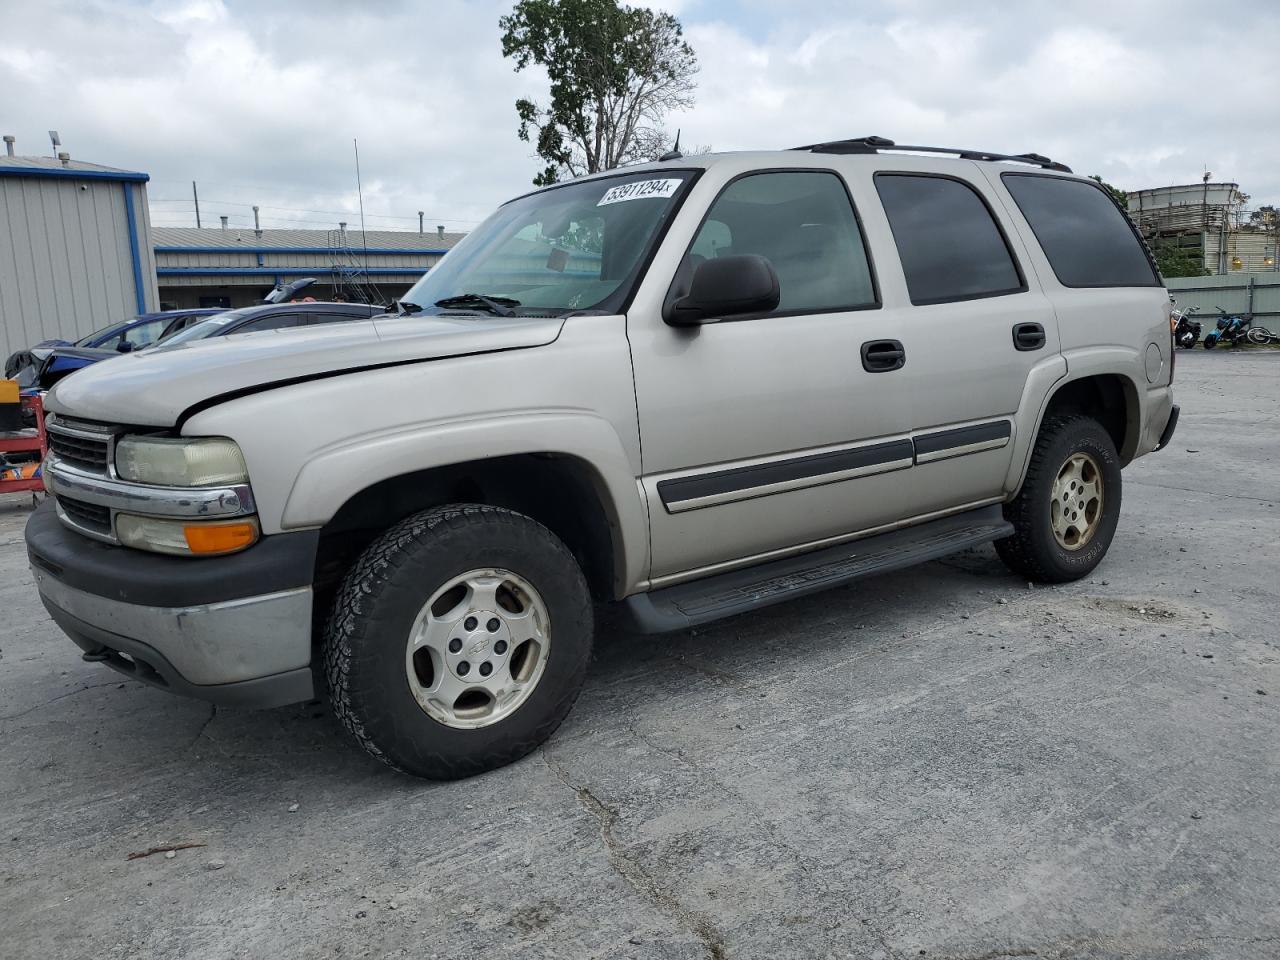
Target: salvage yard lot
941, 762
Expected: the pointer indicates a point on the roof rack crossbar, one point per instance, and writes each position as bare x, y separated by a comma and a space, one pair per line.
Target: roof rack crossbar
877, 144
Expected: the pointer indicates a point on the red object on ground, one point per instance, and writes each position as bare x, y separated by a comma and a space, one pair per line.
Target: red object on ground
26, 442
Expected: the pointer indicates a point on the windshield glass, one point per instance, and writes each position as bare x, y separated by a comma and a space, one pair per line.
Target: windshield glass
205, 328
576, 247
106, 333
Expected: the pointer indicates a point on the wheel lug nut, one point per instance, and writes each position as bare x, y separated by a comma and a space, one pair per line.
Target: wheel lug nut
464, 668
469, 623
455, 645
493, 625
486, 668
500, 647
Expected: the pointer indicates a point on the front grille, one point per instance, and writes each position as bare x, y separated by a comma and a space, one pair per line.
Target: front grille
90, 516
79, 451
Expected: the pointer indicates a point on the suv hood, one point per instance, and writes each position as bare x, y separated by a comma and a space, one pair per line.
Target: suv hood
155, 387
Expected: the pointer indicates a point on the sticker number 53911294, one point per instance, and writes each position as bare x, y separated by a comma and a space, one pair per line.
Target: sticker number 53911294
638, 190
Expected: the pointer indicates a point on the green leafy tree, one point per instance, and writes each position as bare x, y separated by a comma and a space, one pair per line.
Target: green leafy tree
1174, 261
615, 73
1120, 196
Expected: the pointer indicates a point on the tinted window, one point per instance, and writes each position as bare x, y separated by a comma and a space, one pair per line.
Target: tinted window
275, 321
950, 246
338, 316
802, 223
1088, 240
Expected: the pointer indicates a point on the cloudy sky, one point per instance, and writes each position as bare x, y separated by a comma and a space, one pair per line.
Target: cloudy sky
259, 101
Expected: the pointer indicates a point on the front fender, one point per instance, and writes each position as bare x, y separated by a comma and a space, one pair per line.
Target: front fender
330, 479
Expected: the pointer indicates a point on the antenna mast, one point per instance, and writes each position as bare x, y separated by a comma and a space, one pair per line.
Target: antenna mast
364, 234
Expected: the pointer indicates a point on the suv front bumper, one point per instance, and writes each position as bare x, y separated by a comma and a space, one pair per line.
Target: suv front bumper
233, 630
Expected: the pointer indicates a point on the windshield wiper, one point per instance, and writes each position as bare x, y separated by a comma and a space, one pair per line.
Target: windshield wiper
407, 306
498, 306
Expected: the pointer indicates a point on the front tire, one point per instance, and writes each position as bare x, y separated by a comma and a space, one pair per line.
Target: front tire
459, 641
1066, 513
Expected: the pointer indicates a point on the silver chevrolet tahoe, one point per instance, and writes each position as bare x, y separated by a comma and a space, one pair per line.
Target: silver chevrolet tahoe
693, 388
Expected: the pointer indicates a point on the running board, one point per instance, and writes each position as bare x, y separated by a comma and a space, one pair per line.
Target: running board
723, 595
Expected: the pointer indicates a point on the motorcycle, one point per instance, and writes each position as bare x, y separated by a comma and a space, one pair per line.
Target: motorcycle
1230, 330
1186, 332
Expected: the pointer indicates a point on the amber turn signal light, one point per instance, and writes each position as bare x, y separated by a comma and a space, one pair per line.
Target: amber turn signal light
208, 539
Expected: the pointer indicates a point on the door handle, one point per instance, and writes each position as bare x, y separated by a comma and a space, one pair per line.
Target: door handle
1028, 336
881, 356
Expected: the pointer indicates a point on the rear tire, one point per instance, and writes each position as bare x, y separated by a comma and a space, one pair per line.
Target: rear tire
423, 651
1066, 512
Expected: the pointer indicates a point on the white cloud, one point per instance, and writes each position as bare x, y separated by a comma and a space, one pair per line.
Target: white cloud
259, 103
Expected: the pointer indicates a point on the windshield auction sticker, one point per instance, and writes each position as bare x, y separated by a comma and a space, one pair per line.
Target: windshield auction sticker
639, 190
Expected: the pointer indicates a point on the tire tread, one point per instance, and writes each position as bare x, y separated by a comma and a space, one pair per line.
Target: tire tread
352, 619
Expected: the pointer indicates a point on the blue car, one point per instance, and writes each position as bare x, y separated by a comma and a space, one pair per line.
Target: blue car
54, 359
120, 337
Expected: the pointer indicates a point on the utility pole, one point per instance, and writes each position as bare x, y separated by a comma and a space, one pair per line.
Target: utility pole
196, 197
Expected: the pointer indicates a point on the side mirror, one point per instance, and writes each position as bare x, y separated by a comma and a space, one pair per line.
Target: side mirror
725, 287
124, 346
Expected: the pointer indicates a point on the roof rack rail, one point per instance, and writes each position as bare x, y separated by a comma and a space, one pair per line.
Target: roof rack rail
876, 144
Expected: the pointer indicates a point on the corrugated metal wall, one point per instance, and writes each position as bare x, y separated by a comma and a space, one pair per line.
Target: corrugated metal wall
66, 264
1239, 294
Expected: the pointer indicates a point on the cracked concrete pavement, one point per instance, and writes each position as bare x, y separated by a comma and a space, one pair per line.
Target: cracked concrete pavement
939, 763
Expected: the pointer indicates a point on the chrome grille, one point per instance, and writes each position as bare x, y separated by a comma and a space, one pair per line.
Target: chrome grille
89, 516
78, 450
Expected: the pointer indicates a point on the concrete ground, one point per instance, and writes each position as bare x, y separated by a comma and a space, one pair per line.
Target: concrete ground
940, 763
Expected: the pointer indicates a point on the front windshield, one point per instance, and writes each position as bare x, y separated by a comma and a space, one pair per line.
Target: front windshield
205, 328
576, 247
111, 332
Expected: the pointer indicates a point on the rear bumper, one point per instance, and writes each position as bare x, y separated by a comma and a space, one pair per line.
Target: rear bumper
1169, 427
1158, 411
222, 629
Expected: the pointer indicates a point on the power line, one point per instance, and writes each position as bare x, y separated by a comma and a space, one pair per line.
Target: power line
337, 213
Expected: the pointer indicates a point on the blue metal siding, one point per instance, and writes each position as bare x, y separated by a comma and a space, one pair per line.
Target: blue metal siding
139, 288
323, 251
278, 271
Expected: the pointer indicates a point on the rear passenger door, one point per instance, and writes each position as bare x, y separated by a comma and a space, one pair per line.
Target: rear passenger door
972, 322
1101, 280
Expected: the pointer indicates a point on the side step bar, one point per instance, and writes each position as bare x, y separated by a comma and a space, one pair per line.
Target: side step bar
738, 591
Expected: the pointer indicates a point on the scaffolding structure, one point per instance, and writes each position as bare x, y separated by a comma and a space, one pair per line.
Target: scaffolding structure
1209, 223
349, 271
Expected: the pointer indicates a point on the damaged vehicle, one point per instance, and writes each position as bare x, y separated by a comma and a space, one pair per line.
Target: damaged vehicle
691, 388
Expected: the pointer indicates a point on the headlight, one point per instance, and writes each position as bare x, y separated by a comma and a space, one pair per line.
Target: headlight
180, 462
191, 538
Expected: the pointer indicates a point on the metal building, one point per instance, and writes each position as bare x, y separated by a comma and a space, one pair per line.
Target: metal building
75, 249
234, 267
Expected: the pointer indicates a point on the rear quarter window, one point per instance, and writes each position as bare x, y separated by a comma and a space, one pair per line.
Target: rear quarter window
1087, 239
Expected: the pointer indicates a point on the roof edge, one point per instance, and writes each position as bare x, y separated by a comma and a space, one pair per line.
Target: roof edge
119, 176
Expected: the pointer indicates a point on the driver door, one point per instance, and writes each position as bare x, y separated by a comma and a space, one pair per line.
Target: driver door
765, 433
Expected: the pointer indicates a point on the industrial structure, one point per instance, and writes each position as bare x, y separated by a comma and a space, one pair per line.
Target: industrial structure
233, 267
1206, 222
75, 248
